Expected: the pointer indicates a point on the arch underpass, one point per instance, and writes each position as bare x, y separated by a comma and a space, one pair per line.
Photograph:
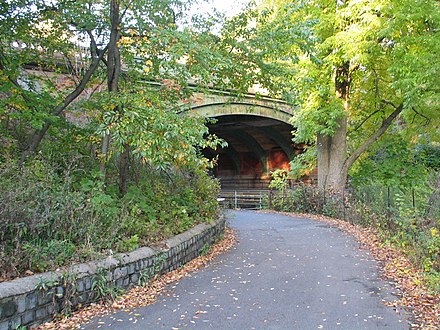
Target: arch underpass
258, 133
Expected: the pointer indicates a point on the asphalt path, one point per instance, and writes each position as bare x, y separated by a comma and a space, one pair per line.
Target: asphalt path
284, 273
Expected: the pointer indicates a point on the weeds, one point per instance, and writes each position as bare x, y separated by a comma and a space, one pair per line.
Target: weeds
53, 216
154, 271
103, 286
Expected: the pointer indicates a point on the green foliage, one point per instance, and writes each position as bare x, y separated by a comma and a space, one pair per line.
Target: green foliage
129, 244
205, 249
279, 180
40, 206
303, 163
103, 286
56, 206
386, 51
393, 162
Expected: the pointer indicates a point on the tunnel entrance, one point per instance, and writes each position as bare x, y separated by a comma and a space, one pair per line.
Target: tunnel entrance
256, 146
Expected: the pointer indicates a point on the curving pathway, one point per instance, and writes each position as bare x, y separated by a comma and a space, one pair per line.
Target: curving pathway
284, 273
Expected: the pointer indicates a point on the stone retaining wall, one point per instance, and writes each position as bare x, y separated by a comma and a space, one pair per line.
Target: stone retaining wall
33, 300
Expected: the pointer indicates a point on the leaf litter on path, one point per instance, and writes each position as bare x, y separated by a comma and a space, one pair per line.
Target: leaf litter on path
408, 280
141, 295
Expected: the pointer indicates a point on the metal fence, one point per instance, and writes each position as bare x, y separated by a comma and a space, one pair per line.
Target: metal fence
251, 199
387, 201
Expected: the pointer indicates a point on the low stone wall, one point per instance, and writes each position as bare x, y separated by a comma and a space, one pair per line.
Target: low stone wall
33, 300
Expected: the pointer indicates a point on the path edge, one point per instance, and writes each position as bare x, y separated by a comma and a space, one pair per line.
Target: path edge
34, 300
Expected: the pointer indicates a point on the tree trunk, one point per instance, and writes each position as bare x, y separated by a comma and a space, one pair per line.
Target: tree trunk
331, 158
333, 163
332, 149
124, 166
113, 72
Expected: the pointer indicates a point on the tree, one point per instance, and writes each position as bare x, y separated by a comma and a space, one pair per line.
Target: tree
38, 34
122, 44
366, 64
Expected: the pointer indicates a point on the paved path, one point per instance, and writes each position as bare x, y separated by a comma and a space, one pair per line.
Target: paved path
284, 273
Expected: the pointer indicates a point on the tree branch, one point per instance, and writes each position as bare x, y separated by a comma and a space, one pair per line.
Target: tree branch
81, 86
121, 17
38, 135
94, 47
373, 138
427, 120
368, 117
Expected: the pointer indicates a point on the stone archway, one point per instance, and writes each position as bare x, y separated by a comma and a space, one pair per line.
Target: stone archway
259, 136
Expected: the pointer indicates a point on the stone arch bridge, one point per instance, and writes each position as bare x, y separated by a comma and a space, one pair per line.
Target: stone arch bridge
257, 130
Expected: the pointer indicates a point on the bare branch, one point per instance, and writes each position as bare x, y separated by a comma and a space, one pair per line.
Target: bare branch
125, 11
368, 117
427, 119
373, 138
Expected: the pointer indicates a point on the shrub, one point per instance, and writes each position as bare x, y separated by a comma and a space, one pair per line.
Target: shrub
54, 216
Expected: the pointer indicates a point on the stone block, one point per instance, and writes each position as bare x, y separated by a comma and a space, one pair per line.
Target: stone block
134, 279
88, 283
31, 301
131, 268
44, 297
80, 286
4, 325
15, 323
21, 303
8, 309
28, 317
59, 292
120, 272
41, 313
83, 298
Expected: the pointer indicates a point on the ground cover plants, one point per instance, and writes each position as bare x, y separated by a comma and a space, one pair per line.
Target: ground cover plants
53, 216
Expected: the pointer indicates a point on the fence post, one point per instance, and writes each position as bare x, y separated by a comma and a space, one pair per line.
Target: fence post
235, 199
270, 199
261, 197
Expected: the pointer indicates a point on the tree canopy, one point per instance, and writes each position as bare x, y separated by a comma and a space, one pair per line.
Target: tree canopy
358, 68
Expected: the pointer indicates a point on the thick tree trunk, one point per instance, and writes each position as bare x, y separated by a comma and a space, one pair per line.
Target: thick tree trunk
332, 149
333, 163
331, 158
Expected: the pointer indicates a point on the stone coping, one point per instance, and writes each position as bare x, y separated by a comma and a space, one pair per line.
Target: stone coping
23, 303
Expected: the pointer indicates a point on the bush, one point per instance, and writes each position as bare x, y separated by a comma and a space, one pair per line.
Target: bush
54, 216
